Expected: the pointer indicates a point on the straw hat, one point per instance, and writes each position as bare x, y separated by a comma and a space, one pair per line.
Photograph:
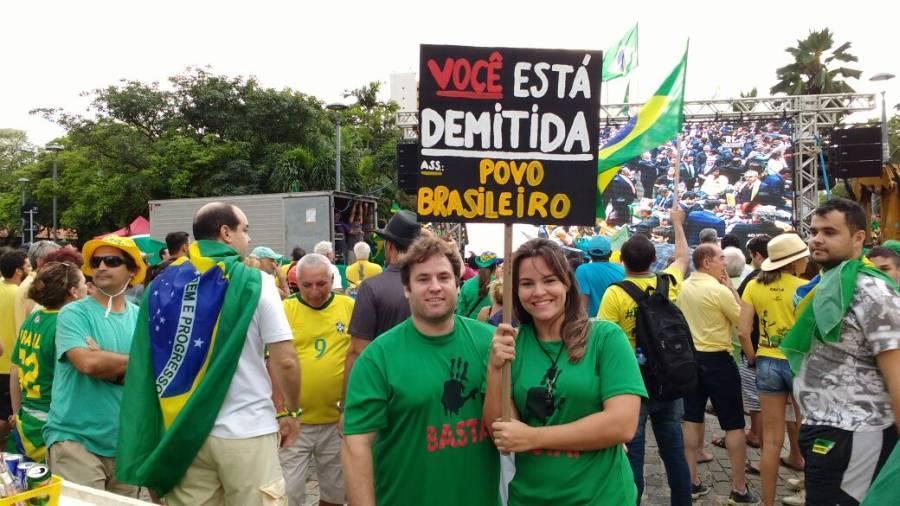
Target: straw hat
784, 249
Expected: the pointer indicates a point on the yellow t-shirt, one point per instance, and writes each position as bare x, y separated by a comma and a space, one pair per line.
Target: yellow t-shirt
7, 323
775, 310
284, 271
619, 308
352, 272
711, 311
321, 341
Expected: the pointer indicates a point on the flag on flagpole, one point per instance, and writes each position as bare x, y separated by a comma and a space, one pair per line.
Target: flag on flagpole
621, 57
658, 120
625, 100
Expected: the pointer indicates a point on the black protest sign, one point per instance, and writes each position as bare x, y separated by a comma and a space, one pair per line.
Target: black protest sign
508, 135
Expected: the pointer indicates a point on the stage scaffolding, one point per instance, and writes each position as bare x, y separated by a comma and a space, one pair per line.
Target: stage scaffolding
814, 116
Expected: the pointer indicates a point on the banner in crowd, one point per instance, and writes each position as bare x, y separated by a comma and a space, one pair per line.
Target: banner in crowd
508, 135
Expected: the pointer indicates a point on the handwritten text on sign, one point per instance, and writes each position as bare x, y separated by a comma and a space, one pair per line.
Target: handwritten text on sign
508, 135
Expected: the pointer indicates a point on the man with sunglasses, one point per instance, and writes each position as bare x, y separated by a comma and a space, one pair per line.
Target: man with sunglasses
93, 339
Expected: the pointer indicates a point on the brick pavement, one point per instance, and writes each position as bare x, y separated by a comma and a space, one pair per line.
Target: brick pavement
715, 474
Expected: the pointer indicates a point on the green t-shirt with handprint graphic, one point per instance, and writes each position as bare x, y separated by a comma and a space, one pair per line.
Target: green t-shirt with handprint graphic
423, 398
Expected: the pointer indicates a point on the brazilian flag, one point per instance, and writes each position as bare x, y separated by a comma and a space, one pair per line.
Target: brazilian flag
658, 121
190, 333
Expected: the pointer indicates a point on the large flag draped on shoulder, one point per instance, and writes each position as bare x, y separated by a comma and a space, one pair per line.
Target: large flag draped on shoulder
621, 57
190, 333
657, 122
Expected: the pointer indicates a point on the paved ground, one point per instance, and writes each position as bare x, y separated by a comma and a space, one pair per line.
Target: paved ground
716, 474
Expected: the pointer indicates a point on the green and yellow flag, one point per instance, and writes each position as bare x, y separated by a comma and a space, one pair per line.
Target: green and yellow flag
658, 121
621, 57
191, 330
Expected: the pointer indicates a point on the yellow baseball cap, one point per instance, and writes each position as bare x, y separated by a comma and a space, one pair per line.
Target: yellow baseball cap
126, 244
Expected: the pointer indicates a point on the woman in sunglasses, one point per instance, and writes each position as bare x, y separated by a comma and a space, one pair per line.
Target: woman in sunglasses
34, 356
576, 390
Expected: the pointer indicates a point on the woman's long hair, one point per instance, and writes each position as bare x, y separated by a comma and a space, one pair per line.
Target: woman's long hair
484, 279
575, 325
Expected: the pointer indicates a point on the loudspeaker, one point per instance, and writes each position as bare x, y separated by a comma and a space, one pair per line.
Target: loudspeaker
856, 152
863, 135
408, 167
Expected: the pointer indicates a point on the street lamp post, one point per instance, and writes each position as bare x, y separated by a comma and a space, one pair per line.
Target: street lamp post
56, 148
337, 108
885, 149
24, 182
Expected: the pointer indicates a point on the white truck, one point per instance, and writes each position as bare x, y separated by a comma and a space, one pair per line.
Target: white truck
280, 221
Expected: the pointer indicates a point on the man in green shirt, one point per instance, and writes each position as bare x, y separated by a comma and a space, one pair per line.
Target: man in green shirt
413, 428
93, 338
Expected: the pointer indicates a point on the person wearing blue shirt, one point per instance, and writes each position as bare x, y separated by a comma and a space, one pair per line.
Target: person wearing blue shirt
595, 277
700, 219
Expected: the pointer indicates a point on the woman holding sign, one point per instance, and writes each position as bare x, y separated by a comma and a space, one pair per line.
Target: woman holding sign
576, 390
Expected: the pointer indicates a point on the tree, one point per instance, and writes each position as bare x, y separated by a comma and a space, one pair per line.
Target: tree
813, 71
204, 135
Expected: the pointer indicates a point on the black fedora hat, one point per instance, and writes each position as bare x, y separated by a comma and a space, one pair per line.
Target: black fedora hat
402, 229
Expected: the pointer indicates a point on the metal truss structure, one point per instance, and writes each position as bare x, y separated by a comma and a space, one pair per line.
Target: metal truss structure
814, 117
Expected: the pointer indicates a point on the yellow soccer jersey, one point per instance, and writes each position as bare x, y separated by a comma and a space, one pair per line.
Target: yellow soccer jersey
773, 304
321, 341
618, 307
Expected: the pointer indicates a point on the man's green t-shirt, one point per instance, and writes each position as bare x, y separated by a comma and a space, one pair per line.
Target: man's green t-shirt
86, 409
607, 369
423, 397
35, 355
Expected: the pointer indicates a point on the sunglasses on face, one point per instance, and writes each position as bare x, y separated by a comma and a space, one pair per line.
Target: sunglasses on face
111, 261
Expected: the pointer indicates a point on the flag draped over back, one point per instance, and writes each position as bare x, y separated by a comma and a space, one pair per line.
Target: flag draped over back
189, 337
621, 57
658, 121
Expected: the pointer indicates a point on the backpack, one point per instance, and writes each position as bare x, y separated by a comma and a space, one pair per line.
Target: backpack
662, 333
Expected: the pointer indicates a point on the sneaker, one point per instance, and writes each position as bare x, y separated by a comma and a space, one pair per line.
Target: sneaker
796, 483
798, 499
698, 490
747, 497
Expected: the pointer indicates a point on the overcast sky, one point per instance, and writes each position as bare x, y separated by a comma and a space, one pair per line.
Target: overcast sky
53, 51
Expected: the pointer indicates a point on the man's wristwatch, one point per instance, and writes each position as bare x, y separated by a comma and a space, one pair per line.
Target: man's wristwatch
340, 406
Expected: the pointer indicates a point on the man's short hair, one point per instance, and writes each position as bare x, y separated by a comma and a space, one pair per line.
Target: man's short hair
10, 261
638, 253
702, 253
323, 248
211, 218
708, 235
423, 248
735, 261
297, 253
880, 251
175, 241
710, 204
731, 240
314, 260
361, 250
40, 249
853, 212
760, 245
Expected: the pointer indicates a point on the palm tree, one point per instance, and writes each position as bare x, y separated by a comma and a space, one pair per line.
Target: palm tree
810, 73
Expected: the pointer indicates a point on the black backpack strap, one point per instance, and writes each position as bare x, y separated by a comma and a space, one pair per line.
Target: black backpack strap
632, 290
662, 283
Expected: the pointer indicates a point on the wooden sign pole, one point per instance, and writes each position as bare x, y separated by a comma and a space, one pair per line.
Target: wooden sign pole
506, 376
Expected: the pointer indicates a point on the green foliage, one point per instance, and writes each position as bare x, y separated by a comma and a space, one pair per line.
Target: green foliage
204, 134
813, 70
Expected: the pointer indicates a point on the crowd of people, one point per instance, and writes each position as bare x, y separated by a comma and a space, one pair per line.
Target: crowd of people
227, 373
738, 174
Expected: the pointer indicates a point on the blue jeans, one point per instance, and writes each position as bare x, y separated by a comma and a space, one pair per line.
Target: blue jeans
666, 419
